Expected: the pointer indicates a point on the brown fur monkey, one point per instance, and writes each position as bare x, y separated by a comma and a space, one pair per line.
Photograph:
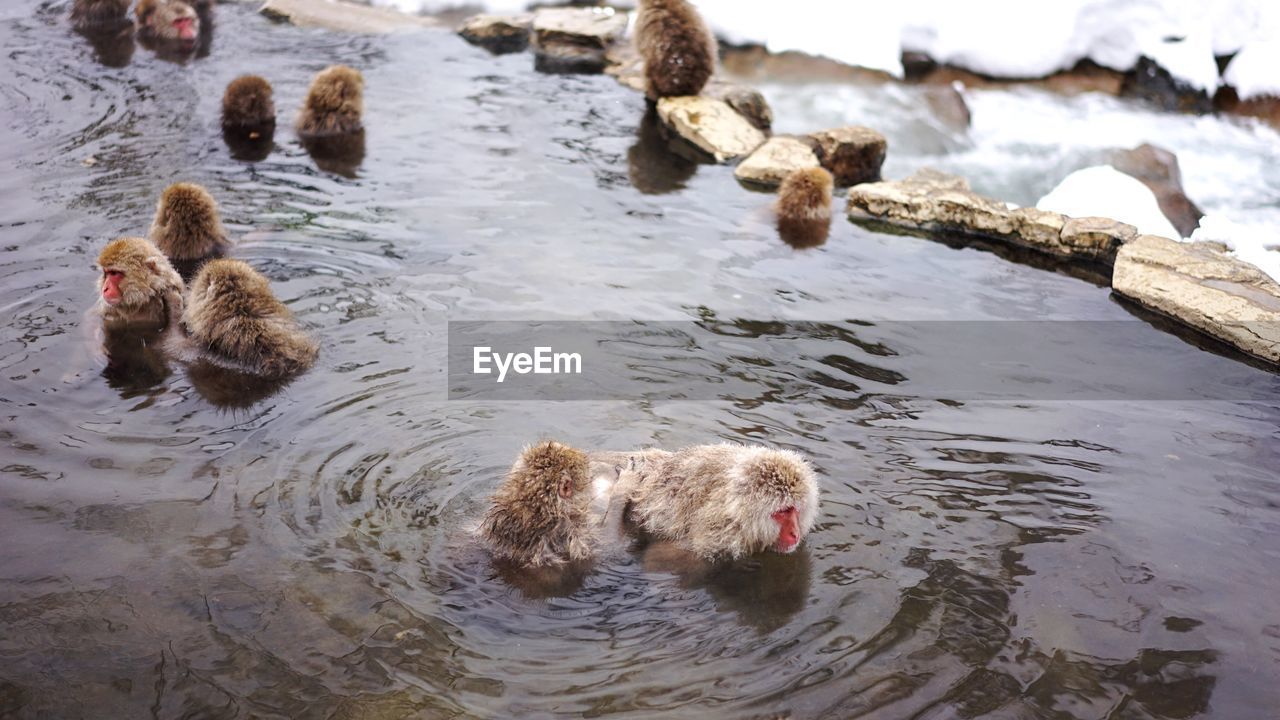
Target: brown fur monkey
541, 515
168, 20
232, 313
138, 287
723, 500
679, 51
87, 14
334, 104
247, 103
804, 207
186, 225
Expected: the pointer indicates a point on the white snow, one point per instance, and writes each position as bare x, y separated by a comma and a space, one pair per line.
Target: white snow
1106, 192
1257, 244
1256, 70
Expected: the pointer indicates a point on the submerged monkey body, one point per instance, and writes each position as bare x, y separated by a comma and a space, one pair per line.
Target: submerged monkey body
679, 51
334, 103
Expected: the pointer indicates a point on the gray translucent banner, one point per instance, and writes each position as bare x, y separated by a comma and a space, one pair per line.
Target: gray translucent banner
841, 362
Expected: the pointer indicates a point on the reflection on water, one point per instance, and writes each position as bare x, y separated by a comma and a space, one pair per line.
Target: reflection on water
185, 544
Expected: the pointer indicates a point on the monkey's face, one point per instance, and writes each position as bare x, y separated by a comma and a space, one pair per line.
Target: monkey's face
112, 292
789, 534
175, 21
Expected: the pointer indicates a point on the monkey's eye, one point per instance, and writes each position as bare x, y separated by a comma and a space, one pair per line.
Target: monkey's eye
113, 274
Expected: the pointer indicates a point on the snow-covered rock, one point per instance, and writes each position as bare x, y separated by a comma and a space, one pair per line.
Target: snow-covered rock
1103, 191
1255, 71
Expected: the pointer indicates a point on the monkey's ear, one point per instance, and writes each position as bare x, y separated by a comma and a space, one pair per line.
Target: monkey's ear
153, 264
566, 485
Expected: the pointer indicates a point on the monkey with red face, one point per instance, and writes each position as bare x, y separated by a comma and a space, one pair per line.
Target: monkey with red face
721, 501
168, 20
138, 287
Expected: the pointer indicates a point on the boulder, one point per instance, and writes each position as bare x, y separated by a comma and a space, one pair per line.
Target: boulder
498, 34
1150, 82
947, 104
342, 16
1158, 169
853, 154
575, 40
1195, 284
749, 102
711, 126
774, 160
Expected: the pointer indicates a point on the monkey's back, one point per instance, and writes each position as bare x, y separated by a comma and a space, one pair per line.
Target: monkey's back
688, 495
679, 51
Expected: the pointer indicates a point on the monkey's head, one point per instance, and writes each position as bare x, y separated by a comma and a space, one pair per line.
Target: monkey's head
777, 498
135, 274
247, 101
169, 19
537, 516
552, 474
187, 208
337, 89
805, 194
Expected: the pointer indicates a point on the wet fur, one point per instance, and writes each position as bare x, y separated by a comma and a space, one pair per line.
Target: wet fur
717, 500
805, 194
679, 51
247, 103
232, 313
150, 291
529, 523
99, 13
186, 224
334, 104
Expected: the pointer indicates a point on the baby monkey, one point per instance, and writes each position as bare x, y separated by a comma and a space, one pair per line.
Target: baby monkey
679, 51
724, 500
804, 207
541, 514
232, 313
186, 226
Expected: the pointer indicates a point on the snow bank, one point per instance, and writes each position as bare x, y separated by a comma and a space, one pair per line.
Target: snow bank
1256, 244
1256, 70
1106, 192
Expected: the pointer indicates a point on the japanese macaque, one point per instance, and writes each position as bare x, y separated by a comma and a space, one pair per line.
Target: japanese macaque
186, 227
679, 51
168, 20
722, 501
541, 514
804, 207
247, 104
93, 14
334, 104
232, 313
139, 287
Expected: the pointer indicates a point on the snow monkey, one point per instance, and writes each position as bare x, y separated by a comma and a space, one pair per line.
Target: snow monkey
247, 104
186, 225
334, 104
138, 287
722, 500
168, 20
541, 514
804, 207
87, 14
679, 51
232, 313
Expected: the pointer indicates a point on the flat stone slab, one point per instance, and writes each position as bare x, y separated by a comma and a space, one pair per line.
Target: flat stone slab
931, 201
498, 33
711, 126
774, 160
1197, 285
575, 40
343, 16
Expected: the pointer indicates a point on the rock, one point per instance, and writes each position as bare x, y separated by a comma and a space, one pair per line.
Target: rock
711, 126
1153, 84
748, 102
774, 160
1196, 285
1039, 227
1157, 168
853, 154
498, 34
575, 40
343, 16
948, 105
1096, 237
1264, 107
